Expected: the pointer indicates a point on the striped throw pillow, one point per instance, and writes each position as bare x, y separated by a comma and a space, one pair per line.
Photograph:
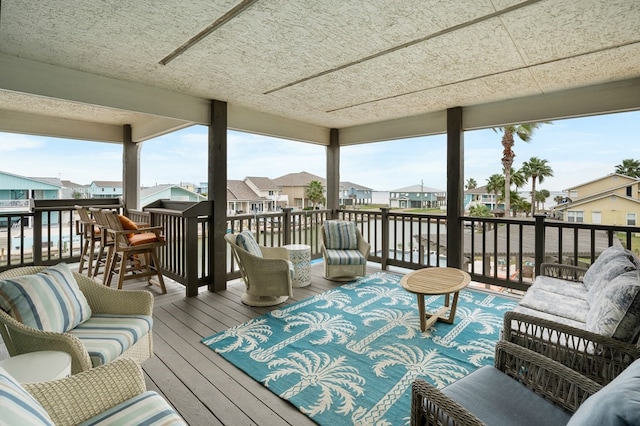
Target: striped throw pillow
49, 301
17, 406
340, 235
248, 243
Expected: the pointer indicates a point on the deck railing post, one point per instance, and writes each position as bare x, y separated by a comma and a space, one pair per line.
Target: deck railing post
539, 245
37, 234
385, 237
286, 223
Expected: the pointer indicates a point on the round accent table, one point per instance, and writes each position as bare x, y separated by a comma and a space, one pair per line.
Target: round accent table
41, 366
434, 281
300, 256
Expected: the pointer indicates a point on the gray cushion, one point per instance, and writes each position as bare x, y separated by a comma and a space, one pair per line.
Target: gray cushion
497, 399
618, 403
246, 241
616, 311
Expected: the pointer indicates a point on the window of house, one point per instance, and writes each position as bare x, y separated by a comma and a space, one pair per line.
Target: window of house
575, 216
629, 190
573, 194
631, 219
271, 193
596, 217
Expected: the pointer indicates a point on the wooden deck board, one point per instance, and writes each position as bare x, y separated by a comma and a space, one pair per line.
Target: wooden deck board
202, 386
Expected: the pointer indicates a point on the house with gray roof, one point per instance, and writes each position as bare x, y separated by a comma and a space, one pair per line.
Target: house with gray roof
242, 199
168, 192
267, 188
105, 189
294, 186
417, 196
352, 194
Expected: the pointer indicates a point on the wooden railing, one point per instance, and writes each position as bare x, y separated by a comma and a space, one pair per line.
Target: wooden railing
45, 235
496, 251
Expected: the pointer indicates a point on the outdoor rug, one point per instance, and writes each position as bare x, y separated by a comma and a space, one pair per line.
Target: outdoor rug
350, 355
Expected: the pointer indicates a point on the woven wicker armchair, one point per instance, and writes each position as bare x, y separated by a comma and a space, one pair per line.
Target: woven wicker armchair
20, 338
340, 262
80, 397
596, 356
267, 278
547, 383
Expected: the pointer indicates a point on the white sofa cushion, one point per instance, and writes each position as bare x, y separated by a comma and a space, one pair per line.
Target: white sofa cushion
616, 312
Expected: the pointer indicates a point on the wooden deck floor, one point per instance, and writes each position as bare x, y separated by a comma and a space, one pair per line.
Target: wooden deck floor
203, 387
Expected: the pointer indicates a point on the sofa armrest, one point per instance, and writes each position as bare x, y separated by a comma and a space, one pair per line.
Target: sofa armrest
548, 379
562, 271
598, 357
429, 406
557, 383
76, 398
106, 300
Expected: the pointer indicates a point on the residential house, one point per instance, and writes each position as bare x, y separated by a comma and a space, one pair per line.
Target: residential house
352, 194
294, 186
610, 200
481, 196
73, 190
417, 196
242, 199
168, 192
105, 189
16, 192
267, 188
202, 188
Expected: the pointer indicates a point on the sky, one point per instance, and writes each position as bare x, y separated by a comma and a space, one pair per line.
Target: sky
577, 150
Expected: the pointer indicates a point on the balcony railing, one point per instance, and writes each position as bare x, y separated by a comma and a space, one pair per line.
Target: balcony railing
496, 251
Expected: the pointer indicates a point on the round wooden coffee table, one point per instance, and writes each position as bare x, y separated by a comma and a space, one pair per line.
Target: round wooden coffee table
434, 281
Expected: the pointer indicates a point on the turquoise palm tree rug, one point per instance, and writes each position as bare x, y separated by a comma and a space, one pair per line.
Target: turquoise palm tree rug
350, 355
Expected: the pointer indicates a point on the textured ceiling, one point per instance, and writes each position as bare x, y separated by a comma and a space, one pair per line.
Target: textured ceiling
321, 63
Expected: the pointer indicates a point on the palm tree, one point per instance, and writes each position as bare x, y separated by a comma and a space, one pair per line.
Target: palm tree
629, 167
315, 192
541, 197
479, 210
495, 184
471, 183
558, 199
538, 169
524, 133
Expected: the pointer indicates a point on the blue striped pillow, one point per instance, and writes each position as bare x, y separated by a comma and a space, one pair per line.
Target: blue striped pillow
340, 235
17, 406
49, 301
248, 243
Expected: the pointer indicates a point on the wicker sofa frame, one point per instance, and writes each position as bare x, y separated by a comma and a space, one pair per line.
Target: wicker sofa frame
545, 377
20, 338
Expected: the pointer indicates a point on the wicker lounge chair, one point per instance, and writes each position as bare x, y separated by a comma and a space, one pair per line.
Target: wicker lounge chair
267, 271
133, 306
110, 394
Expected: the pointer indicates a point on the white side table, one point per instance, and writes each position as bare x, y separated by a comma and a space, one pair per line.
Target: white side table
41, 366
300, 256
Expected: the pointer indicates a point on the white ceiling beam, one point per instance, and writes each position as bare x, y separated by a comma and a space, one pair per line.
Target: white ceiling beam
150, 129
34, 124
593, 100
36, 78
247, 120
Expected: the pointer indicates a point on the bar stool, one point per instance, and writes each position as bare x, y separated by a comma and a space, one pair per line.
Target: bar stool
90, 234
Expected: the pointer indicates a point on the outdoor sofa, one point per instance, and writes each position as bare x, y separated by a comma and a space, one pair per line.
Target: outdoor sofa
603, 299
